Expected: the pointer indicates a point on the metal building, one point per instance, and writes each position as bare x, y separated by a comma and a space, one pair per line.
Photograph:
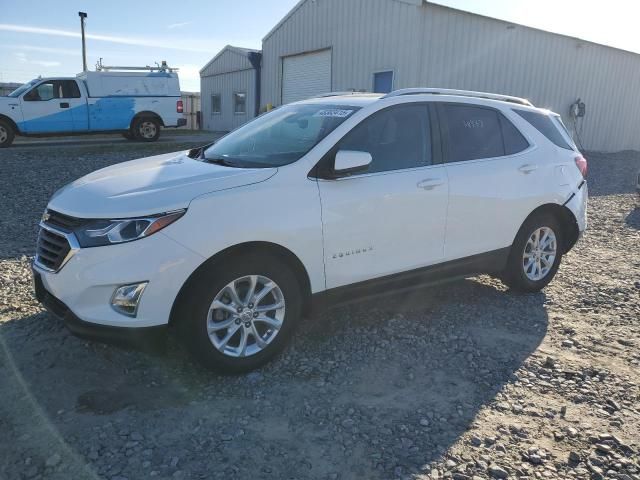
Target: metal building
380, 45
229, 87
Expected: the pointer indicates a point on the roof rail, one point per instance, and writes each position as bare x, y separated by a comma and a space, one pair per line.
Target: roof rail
462, 93
340, 94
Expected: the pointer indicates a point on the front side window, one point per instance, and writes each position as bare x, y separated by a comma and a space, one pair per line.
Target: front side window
240, 103
397, 138
473, 133
279, 137
45, 91
216, 104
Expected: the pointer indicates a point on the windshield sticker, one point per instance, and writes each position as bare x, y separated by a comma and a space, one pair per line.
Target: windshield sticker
333, 113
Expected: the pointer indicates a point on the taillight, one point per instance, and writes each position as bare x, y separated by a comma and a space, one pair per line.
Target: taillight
179, 106
581, 163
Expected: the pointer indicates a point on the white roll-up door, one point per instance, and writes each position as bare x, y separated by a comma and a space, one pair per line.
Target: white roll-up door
307, 75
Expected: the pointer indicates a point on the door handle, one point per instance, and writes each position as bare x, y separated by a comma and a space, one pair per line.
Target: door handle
528, 168
64, 105
430, 183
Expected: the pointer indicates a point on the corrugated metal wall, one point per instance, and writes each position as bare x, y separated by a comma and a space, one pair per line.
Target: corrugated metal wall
230, 72
431, 45
226, 84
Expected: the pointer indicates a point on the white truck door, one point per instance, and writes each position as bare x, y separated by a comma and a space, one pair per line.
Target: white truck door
390, 218
44, 110
71, 94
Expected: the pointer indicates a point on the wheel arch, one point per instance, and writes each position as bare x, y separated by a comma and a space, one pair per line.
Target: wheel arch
566, 219
146, 114
11, 122
266, 248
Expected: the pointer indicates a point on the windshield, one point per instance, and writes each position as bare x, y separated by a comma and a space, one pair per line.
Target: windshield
22, 88
279, 137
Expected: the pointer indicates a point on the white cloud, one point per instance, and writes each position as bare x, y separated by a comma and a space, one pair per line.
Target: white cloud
23, 58
178, 25
140, 41
34, 48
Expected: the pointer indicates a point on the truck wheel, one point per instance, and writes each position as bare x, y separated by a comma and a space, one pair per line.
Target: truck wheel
238, 314
7, 134
147, 129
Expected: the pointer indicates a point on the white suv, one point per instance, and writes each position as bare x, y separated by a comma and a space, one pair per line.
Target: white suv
321, 200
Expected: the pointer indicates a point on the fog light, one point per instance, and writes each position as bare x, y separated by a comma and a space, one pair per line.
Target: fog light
126, 298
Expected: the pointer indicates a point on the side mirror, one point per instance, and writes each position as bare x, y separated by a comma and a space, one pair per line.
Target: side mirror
351, 161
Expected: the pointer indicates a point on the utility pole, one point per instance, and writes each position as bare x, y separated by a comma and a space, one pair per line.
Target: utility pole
82, 16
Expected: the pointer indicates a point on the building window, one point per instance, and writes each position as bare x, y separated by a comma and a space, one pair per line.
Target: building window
383, 82
216, 104
240, 103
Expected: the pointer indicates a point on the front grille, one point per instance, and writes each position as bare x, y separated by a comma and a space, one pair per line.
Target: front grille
66, 222
52, 249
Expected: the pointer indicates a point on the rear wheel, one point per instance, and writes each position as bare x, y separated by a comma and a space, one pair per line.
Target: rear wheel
535, 255
146, 129
237, 315
7, 134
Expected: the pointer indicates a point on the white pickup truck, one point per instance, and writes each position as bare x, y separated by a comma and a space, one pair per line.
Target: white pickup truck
136, 104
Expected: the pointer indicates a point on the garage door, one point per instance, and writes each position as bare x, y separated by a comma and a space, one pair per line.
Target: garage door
305, 76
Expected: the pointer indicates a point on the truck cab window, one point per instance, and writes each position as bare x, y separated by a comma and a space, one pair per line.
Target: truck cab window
70, 89
43, 92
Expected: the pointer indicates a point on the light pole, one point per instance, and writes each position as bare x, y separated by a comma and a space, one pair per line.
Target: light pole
82, 16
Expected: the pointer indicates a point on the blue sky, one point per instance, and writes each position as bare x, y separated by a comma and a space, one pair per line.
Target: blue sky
41, 38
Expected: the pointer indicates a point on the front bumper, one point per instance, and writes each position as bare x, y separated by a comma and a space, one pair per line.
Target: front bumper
86, 283
150, 337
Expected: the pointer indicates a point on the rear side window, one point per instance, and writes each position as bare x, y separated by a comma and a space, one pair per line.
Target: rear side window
397, 138
545, 126
475, 132
514, 142
70, 89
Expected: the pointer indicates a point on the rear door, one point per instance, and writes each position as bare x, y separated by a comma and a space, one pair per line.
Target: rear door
390, 218
494, 176
76, 103
44, 110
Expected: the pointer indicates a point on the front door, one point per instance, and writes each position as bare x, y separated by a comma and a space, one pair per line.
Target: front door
44, 110
391, 217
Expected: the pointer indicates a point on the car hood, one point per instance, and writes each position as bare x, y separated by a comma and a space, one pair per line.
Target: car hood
149, 185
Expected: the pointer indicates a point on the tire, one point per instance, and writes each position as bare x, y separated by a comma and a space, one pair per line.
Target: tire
539, 273
146, 129
7, 134
197, 313
128, 135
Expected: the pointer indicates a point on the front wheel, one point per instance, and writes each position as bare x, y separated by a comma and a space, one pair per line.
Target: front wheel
7, 134
535, 255
147, 129
238, 314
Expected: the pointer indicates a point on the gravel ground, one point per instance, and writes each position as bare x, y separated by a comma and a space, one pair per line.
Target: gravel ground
463, 380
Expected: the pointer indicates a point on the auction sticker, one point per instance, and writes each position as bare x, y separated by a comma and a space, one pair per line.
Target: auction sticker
333, 112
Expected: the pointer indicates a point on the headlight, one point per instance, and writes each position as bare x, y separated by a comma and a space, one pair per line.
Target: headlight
108, 232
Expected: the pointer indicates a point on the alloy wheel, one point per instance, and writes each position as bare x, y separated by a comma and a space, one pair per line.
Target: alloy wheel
3, 134
246, 316
539, 253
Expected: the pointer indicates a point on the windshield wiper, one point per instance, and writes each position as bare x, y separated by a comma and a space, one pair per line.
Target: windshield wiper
219, 161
